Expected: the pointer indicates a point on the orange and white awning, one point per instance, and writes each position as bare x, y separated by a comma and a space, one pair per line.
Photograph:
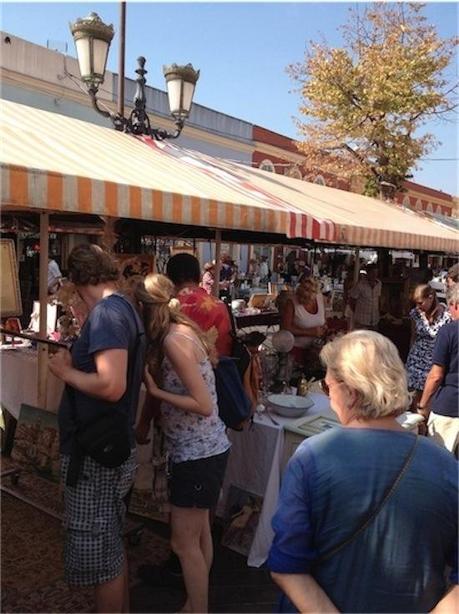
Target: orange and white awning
57, 163
61, 164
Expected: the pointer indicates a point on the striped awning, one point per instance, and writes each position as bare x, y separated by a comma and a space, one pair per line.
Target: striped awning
58, 163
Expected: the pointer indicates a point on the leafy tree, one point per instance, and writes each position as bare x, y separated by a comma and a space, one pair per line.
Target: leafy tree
366, 102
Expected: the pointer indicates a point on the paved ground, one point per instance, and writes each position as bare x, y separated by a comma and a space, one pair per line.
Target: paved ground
234, 587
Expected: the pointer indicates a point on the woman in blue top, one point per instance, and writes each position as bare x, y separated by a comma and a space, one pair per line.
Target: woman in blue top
336, 480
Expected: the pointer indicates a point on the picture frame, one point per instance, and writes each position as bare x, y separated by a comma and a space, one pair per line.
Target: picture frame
135, 264
241, 516
312, 425
10, 291
36, 442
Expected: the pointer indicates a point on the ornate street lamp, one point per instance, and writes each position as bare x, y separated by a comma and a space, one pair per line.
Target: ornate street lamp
92, 41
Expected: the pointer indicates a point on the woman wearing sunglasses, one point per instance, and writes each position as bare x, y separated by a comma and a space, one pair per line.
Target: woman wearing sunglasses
427, 317
367, 515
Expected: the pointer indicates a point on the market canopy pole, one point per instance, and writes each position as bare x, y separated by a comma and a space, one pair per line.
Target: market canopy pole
218, 249
356, 266
42, 379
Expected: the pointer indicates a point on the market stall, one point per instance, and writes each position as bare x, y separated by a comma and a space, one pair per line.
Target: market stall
53, 165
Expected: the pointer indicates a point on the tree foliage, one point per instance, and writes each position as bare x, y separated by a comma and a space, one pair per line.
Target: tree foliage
365, 104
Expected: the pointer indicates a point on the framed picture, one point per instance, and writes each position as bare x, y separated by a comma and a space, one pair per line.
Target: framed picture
136, 264
10, 292
36, 441
242, 514
312, 425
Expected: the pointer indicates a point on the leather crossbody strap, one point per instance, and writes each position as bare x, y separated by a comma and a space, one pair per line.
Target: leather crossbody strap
372, 514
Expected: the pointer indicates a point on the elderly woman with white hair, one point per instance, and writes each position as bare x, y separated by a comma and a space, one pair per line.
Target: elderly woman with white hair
367, 515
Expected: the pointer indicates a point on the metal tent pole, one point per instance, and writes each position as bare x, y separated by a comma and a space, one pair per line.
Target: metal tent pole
43, 296
218, 249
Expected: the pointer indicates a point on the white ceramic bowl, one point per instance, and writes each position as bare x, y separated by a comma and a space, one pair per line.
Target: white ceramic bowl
289, 405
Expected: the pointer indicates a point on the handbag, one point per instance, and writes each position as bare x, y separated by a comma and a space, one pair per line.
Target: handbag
371, 515
106, 438
234, 405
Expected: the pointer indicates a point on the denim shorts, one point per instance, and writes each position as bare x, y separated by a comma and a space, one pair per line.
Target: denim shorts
197, 483
94, 515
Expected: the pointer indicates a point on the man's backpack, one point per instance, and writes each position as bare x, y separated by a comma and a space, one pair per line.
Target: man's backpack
234, 405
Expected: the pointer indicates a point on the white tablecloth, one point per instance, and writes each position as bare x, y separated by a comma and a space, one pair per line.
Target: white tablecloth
254, 465
19, 369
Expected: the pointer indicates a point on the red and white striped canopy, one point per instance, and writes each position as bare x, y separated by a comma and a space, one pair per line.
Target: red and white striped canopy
61, 164
57, 163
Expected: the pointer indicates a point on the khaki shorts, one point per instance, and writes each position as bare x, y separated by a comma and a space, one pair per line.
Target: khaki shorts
444, 430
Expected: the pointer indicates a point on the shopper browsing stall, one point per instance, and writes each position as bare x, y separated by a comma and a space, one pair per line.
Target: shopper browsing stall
102, 374
357, 528
180, 375
427, 318
439, 403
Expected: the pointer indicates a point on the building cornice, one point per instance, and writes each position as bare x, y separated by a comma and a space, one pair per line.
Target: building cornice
277, 152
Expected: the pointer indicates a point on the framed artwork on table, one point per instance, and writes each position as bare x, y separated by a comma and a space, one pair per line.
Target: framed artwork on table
10, 292
242, 514
135, 264
36, 442
312, 425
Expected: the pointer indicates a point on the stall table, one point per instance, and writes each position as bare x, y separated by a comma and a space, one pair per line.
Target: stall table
20, 381
265, 318
255, 465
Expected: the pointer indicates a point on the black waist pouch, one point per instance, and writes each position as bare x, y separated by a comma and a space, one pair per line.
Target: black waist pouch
106, 440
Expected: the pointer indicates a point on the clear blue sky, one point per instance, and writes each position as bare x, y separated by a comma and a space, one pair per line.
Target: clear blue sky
241, 48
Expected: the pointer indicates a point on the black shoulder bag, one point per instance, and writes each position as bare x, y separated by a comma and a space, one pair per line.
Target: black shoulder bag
106, 438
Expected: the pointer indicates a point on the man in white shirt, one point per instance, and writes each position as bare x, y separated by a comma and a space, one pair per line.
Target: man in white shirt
365, 299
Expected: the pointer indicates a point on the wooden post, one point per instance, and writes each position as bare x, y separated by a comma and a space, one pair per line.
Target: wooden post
109, 238
42, 379
356, 266
218, 264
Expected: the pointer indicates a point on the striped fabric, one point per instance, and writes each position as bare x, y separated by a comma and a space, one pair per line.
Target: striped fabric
57, 163
53, 162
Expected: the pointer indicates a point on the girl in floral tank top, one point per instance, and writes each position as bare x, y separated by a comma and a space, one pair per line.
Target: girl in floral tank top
180, 376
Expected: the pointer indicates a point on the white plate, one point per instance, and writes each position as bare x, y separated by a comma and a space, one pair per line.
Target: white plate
289, 405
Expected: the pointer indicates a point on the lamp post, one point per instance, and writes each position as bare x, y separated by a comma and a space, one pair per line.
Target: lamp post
92, 41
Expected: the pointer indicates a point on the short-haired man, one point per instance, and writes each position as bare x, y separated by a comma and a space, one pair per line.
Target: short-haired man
207, 311
365, 298
440, 399
103, 373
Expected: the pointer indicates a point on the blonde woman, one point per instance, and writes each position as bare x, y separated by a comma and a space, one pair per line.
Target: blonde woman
179, 374
304, 314
357, 527
427, 317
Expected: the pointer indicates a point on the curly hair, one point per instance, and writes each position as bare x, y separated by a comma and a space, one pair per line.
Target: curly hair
89, 265
159, 308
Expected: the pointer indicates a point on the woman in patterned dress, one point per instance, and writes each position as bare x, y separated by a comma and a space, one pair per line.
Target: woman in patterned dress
180, 375
426, 320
